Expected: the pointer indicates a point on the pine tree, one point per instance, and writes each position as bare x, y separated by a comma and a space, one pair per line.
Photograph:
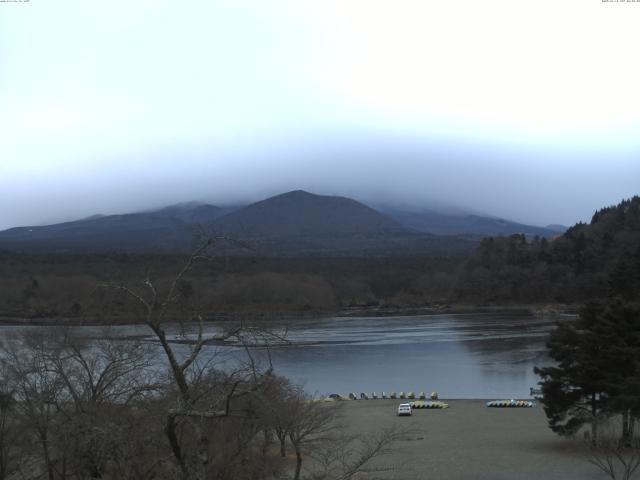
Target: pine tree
574, 390
598, 369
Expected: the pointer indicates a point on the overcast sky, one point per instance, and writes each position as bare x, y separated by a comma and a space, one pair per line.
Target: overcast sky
528, 110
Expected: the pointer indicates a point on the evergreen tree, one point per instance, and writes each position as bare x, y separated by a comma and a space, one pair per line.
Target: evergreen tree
624, 280
574, 390
598, 369
619, 331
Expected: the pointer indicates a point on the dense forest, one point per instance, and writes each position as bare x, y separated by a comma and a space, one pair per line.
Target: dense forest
584, 263
65, 286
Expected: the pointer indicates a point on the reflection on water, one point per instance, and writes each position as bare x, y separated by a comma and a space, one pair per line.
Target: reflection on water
460, 356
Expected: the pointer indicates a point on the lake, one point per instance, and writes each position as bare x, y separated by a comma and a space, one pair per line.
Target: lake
459, 356
475, 355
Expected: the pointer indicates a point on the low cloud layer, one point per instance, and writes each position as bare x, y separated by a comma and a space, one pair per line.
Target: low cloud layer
118, 106
527, 184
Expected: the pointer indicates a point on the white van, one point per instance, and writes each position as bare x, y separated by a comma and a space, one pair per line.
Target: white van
404, 409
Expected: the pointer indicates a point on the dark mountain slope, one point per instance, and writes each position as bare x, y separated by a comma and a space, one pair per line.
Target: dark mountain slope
193, 212
292, 224
299, 213
168, 229
299, 223
438, 223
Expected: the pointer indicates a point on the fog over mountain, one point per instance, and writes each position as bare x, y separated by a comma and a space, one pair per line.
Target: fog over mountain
410, 104
527, 186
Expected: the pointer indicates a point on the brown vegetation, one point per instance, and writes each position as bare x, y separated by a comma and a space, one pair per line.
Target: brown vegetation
62, 287
74, 408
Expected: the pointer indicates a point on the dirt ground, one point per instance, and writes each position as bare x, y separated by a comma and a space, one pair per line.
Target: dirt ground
469, 441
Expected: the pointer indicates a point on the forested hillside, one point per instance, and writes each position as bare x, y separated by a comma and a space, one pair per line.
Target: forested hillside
589, 261
586, 262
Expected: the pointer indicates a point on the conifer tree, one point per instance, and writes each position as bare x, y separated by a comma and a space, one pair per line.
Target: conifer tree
598, 369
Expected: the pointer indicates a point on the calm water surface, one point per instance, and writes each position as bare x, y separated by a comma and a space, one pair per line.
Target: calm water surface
480, 355
460, 356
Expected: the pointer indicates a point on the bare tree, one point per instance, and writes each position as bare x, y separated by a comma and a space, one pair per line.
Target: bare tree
71, 395
10, 434
314, 428
345, 456
102, 379
311, 422
103, 370
281, 398
37, 390
201, 394
618, 458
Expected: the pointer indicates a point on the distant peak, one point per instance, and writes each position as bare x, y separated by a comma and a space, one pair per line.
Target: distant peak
297, 196
303, 194
297, 193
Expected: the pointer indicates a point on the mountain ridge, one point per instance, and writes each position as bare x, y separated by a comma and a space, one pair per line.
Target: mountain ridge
295, 222
437, 223
299, 212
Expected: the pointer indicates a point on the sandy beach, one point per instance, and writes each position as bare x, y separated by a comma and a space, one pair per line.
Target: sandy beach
469, 441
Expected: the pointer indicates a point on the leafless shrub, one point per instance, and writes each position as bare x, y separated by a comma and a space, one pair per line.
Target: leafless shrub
70, 397
344, 457
10, 435
205, 399
618, 459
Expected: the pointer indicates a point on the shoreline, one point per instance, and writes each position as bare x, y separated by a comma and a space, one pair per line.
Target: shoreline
446, 309
461, 308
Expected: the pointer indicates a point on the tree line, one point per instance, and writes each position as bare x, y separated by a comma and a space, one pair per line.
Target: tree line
572, 268
62, 287
594, 383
